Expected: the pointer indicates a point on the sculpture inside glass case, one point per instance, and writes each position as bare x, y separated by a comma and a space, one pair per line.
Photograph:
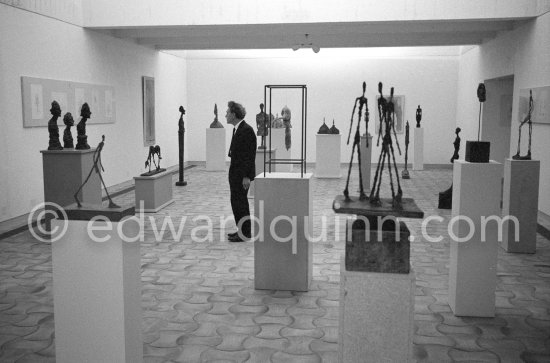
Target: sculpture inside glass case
53, 129
323, 130
529, 122
216, 124
67, 135
262, 123
82, 138
284, 122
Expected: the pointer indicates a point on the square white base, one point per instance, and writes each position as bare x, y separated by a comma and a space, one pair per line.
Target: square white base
327, 156
521, 200
215, 149
282, 265
376, 316
472, 270
155, 192
418, 148
97, 296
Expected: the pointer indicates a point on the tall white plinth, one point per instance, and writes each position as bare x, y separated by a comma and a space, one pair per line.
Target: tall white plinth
278, 143
472, 271
97, 294
260, 154
521, 198
215, 149
327, 156
366, 156
282, 202
418, 145
376, 316
154, 192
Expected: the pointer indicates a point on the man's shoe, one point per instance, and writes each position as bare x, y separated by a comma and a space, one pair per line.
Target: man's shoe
237, 238
230, 235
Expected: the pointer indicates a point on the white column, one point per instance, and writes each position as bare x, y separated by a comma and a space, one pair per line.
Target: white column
520, 200
366, 156
472, 270
376, 316
283, 202
327, 156
418, 145
216, 151
97, 294
278, 143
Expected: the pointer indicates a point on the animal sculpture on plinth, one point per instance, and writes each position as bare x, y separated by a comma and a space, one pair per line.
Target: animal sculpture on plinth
405, 173
153, 151
96, 167
386, 111
53, 129
530, 123
362, 114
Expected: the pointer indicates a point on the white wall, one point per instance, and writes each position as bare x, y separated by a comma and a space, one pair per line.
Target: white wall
523, 53
333, 85
39, 46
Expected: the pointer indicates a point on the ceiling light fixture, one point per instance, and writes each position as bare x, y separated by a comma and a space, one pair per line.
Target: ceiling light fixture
306, 44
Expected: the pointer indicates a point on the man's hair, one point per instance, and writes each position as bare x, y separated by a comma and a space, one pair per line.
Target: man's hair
237, 109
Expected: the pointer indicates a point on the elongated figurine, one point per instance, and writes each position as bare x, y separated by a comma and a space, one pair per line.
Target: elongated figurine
181, 132
67, 135
456, 144
446, 197
96, 167
216, 124
53, 129
405, 173
418, 116
363, 112
528, 121
386, 112
286, 114
262, 123
82, 138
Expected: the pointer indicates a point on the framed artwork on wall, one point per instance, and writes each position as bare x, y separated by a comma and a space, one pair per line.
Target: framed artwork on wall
541, 105
148, 111
399, 106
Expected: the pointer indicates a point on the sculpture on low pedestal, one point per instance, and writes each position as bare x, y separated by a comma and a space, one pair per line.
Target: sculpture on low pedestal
405, 173
67, 135
333, 130
82, 138
529, 122
262, 123
418, 116
96, 167
53, 129
216, 124
478, 151
323, 130
153, 151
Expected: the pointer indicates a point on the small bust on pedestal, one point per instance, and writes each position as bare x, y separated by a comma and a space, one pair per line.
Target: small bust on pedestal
323, 130
53, 129
446, 198
82, 143
333, 130
67, 136
418, 116
216, 124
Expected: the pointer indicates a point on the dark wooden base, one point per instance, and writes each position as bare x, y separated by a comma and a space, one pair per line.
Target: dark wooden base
153, 172
408, 208
477, 151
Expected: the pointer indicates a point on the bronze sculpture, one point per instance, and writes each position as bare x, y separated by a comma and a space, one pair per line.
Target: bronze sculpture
153, 151
446, 198
363, 105
216, 124
387, 114
67, 135
529, 122
333, 130
82, 138
262, 123
418, 116
324, 128
96, 167
53, 129
405, 173
456, 144
181, 132
284, 122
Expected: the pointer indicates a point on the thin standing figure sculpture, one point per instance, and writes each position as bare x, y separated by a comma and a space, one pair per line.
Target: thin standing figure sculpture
385, 109
95, 167
418, 116
405, 174
529, 122
362, 100
53, 129
262, 123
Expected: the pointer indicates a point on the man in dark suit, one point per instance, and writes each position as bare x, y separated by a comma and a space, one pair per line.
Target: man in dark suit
242, 169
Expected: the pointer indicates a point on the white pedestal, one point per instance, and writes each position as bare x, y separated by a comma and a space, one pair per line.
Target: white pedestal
366, 156
154, 191
327, 156
260, 153
376, 316
472, 271
278, 143
97, 295
215, 149
521, 198
280, 198
418, 144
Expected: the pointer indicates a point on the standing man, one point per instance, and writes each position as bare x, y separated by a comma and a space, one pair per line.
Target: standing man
242, 169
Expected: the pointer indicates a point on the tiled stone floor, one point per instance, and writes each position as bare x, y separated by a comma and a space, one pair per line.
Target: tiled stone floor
199, 303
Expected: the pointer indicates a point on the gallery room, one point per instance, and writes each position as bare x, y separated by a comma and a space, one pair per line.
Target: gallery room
287, 181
